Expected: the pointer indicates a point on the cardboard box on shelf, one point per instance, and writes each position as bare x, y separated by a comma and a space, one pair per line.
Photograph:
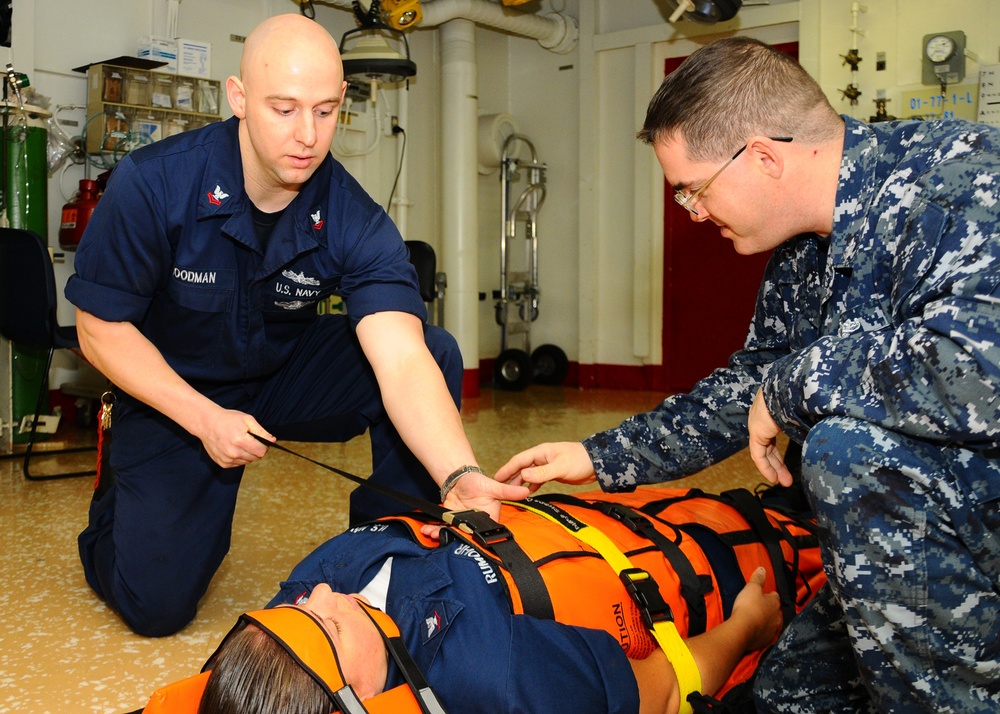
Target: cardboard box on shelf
160, 49
194, 58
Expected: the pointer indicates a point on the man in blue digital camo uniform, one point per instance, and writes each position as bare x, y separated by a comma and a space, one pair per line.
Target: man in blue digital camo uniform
875, 344
197, 287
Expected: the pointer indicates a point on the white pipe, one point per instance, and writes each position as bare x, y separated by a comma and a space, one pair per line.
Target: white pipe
173, 10
342, 4
555, 31
682, 7
459, 184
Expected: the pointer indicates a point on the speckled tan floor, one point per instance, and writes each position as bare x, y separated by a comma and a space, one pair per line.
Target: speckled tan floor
61, 650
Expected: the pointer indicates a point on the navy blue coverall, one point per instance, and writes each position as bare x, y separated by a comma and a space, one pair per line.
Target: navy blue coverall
455, 618
172, 248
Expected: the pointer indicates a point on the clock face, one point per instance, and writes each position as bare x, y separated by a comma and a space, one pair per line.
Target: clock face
939, 48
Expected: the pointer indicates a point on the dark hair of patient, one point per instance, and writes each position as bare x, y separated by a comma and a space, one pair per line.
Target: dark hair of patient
254, 675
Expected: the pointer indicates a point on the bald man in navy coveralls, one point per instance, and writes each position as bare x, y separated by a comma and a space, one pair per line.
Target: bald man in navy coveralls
197, 284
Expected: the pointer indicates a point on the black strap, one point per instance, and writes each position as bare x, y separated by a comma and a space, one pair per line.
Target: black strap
753, 511
693, 588
487, 533
426, 699
413, 501
535, 600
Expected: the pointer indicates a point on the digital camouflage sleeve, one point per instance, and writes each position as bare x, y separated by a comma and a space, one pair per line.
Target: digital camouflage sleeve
892, 319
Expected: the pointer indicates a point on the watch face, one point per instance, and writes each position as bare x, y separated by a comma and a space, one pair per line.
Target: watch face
939, 48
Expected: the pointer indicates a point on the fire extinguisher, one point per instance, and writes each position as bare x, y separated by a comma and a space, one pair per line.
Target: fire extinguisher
76, 214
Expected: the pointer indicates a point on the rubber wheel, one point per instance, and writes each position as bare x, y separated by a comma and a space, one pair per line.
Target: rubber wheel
550, 365
513, 370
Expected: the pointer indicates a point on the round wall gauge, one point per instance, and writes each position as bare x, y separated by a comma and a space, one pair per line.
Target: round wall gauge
939, 48
944, 57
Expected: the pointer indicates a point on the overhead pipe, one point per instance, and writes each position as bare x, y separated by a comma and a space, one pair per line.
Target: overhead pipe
556, 32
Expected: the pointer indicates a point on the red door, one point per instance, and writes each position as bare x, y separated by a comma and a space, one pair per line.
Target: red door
709, 290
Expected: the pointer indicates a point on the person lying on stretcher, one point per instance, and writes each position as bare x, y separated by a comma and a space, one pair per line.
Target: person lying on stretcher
456, 609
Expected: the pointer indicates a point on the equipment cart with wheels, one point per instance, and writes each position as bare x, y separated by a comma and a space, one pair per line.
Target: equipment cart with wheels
518, 297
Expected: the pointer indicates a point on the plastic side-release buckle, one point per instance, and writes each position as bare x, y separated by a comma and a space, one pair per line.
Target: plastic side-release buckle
480, 525
646, 594
636, 522
500, 541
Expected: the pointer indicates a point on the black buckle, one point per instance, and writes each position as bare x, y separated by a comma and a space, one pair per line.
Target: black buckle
635, 521
480, 525
646, 595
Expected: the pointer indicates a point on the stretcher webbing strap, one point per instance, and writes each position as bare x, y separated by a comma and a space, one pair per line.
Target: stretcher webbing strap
412, 501
641, 587
426, 699
693, 588
487, 532
752, 510
535, 600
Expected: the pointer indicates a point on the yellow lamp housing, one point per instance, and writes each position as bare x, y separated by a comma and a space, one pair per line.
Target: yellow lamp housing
402, 14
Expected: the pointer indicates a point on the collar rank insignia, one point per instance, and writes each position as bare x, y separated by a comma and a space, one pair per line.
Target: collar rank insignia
432, 625
217, 196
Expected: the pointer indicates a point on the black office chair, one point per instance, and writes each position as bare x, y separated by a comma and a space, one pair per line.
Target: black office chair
432, 283
28, 319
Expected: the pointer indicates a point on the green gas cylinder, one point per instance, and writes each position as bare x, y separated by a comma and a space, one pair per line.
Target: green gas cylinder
25, 199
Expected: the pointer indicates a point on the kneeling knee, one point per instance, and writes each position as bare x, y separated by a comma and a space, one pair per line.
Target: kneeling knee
834, 440
157, 619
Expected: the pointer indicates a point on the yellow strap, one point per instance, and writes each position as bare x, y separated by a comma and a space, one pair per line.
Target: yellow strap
665, 631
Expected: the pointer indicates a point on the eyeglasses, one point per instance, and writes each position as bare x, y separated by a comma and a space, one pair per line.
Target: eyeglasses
687, 199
